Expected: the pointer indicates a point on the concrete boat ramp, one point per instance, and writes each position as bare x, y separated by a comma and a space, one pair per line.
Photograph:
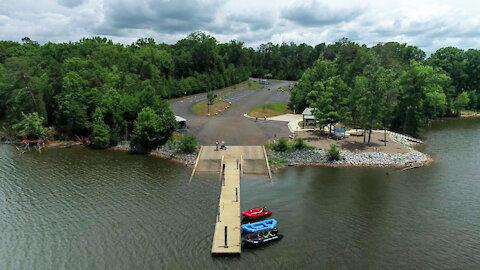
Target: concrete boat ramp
232, 164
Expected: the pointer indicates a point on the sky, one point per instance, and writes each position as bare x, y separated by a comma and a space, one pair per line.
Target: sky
428, 24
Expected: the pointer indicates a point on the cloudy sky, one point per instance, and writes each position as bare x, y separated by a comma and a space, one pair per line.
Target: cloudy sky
427, 24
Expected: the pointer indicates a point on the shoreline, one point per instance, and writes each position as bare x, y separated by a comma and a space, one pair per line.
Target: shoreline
162, 152
408, 160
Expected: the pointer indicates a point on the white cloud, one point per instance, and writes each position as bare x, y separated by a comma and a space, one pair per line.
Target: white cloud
425, 23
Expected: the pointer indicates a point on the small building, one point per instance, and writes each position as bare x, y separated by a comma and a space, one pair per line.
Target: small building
182, 122
308, 117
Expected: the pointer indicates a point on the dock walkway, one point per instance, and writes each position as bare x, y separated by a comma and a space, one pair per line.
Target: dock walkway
226, 239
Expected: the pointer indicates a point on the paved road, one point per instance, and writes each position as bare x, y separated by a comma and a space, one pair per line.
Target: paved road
232, 126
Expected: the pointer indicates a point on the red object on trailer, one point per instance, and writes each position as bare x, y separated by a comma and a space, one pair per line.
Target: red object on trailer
257, 213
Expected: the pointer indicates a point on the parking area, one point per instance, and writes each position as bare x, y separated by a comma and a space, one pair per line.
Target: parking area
231, 126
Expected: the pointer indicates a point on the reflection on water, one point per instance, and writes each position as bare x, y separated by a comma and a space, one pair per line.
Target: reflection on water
83, 209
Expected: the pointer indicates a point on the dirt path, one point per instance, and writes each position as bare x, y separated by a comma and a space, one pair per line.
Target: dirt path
232, 126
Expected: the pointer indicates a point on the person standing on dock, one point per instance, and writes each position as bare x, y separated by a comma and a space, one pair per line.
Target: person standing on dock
216, 144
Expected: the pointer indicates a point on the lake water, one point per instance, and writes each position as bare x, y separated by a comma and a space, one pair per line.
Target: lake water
83, 209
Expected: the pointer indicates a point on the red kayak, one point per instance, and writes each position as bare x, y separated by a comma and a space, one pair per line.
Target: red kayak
257, 213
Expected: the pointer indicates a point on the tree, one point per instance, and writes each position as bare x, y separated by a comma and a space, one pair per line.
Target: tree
146, 133
101, 133
329, 98
421, 95
210, 97
151, 130
31, 126
461, 102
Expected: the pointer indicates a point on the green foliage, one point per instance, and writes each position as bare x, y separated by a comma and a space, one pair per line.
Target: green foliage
188, 144
210, 97
274, 162
299, 144
31, 126
172, 144
389, 85
281, 145
151, 130
461, 102
269, 110
334, 153
101, 134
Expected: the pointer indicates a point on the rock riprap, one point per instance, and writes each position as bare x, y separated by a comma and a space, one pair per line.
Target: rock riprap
374, 159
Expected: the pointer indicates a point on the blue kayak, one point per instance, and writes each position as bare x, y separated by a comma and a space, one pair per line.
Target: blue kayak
259, 226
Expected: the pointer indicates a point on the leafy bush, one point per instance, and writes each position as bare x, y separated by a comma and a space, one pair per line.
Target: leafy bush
31, 126
281, 146
334, 153
188, 144
171, 143
300, 144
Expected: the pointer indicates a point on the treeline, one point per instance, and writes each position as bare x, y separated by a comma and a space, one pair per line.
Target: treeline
79, 86
94, 86
390, 85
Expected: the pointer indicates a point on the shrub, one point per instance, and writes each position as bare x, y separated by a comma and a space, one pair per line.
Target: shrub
281, 146
334, 153
188, 144
31, 126
171, 143
300, 144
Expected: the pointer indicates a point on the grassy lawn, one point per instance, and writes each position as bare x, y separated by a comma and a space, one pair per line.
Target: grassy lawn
283, 89
269, 110
202, 109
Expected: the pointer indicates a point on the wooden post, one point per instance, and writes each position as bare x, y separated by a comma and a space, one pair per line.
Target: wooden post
226, 245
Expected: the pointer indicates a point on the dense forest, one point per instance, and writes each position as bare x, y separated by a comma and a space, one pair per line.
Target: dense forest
389, 85
111, 92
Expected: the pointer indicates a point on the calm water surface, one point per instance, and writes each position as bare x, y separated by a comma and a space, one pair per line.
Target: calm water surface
83, 209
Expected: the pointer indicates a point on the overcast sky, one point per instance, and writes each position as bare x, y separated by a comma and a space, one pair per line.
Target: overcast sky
427, 24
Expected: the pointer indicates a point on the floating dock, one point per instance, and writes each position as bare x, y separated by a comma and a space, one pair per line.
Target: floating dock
231, 164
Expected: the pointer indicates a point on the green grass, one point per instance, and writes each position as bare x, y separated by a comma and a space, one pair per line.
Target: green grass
269, 110
274, 162
250, 86
283, 89
218, 106
201, 108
